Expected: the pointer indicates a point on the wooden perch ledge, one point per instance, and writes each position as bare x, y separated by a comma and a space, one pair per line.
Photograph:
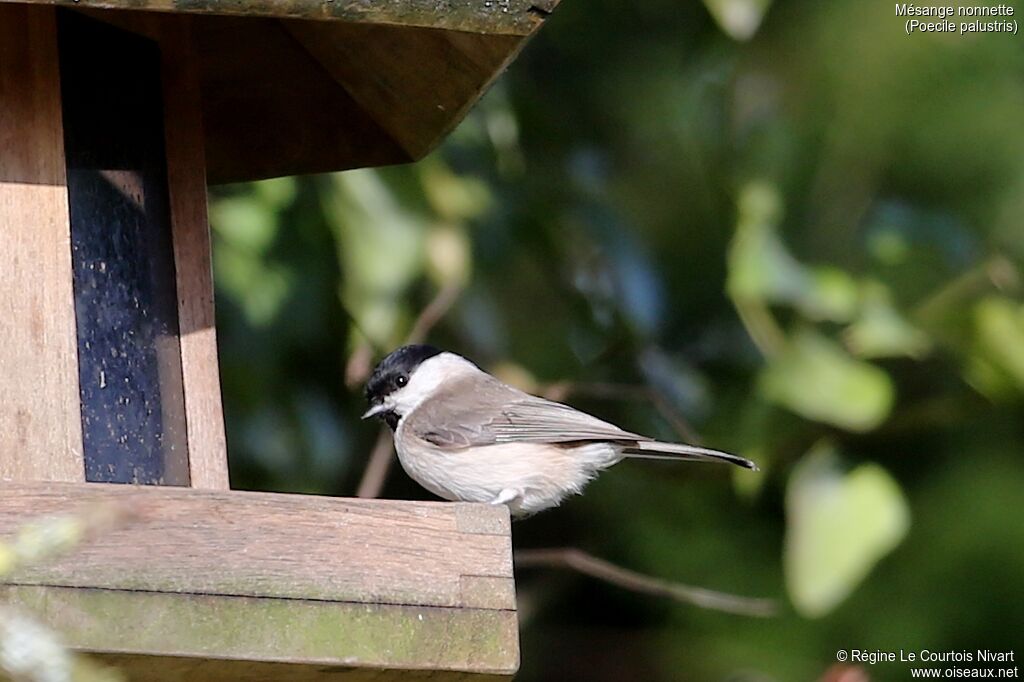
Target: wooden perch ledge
228, 585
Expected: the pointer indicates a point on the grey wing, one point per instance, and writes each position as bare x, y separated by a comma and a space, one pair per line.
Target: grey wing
493, 413
538, 420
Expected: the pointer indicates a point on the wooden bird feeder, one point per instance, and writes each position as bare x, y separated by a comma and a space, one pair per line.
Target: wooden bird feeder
113, 116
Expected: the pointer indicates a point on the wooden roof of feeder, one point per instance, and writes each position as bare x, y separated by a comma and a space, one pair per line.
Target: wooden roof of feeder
308, 86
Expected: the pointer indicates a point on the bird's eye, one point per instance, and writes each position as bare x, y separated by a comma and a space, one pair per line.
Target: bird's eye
402, 380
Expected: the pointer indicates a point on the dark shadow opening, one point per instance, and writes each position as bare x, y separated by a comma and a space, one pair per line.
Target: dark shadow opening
133, 411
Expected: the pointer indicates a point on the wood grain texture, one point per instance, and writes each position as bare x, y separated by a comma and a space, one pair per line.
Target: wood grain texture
270, 109
416, 100
186, 179
259, 587
40, 416
181, 669
295, 96
505, 17
200, 637
336, 95
279, 546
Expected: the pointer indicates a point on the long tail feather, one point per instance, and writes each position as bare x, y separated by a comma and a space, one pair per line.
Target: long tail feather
652, 449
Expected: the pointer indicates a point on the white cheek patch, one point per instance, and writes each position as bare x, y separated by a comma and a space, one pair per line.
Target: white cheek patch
425, 381
406, 399
394, 402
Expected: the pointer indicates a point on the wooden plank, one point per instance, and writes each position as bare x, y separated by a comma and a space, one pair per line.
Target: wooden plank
186, 178
40, 416
257, 78
416, 100
181, 669
281, 546
200, 637
501, 17
337, 94
342, 95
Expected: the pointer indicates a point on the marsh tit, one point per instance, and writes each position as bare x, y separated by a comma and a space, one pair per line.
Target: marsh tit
464, 435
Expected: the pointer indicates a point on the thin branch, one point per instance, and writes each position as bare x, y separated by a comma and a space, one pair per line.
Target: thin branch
434, 312
360, 362
359, 365
378, 466
577, 560
998, 273
675, 419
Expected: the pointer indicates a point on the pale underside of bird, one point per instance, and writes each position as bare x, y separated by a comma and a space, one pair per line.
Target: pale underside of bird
465, 435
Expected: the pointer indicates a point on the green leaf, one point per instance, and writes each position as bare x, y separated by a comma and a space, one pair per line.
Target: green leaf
997, 363
881, 331
245, 223
761, 268
381, 246
832, 295
838, 526
277, 192
260, 287
453, 197
817, 379
449, 255
739, 19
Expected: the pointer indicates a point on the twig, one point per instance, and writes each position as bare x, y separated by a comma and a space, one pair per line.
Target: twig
359, 365
434, 312
998, 273
675, 419
587, 564
378, 466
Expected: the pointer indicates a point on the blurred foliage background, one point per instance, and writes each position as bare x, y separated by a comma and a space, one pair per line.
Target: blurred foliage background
786, 228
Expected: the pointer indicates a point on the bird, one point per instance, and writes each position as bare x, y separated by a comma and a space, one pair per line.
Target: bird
467, 436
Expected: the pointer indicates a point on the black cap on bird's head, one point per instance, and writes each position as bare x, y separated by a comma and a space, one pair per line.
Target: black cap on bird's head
393, 372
